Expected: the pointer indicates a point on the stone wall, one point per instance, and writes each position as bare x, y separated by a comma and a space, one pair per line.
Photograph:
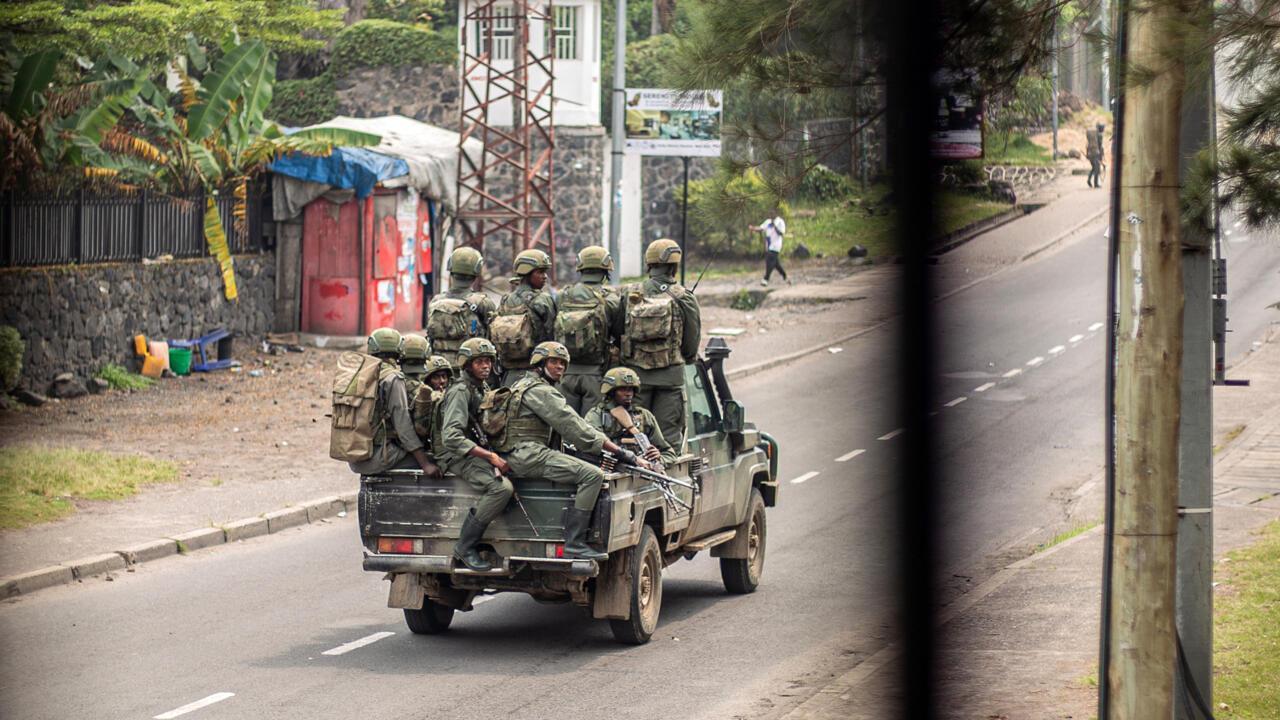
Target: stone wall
662, 182
428, 93
578, 164
1023, 178
79, 318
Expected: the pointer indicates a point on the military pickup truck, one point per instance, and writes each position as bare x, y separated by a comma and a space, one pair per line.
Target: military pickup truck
714, 499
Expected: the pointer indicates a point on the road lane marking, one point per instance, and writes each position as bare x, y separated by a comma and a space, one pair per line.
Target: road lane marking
1012, 373
1095, 327
807, 476
1035, 361
891, 435
1075, 339
984, 387
956, 402
192, 707
356, 644
1056, 349
849, 456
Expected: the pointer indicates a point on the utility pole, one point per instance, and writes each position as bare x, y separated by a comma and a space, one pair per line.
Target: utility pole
619, 128
1056, 63
1148, 341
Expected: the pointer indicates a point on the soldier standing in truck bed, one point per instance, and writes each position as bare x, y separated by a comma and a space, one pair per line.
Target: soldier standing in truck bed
462, 312
588, 324
526, 316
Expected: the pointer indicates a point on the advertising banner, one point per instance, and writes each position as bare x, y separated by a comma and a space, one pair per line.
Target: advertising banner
957, 129
668, 122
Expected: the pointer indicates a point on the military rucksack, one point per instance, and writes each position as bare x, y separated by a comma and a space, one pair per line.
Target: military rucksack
497, 410
512, 331
358, 420
654, 328
424, 403
450, 321
582, 324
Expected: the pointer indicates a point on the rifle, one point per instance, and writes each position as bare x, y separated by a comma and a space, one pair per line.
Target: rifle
482, 441
704, 272
662, 482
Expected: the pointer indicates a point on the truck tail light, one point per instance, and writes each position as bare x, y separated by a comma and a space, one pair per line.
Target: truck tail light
395, 545
559, 550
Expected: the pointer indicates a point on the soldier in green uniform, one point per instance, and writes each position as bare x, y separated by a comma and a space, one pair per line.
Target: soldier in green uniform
461, 312
460, 446
663, 328
526, 316
588, 324
438, 372
538, 419
618, 390
395, 444
413, 358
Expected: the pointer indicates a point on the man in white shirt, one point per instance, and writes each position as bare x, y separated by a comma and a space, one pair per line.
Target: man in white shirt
773, 229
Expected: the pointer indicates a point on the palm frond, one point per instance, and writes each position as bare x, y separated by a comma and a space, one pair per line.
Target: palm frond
121, 142
216, 239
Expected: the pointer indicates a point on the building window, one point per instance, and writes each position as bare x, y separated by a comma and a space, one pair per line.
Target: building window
566, 23
503, 31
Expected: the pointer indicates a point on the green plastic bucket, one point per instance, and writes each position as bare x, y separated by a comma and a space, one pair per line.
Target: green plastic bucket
180, 360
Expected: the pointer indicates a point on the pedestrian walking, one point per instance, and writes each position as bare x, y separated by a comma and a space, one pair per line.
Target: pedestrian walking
773, 229
1093, 151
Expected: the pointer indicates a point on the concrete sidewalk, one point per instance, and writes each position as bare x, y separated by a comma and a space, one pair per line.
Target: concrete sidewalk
1024, 643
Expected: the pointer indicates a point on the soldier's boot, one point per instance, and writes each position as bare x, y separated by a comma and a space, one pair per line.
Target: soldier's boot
575, 536
465, 551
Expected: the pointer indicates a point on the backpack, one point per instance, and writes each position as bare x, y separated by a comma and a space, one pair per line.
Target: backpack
512, 331
356, 416
654, 328
450, 321
498, 407
582, 324
425, 401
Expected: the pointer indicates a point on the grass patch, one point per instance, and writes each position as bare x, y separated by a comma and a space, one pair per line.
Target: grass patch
1064, 536
1231, 435
1246, 636
120, 379
37, 484
1013, 149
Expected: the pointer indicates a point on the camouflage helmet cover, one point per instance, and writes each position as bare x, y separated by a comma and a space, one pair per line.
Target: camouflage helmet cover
474, 348
529, 260
415, 349
662, 252
465, 261
436, 364
548, 349
594, 257
619, 377
385, 340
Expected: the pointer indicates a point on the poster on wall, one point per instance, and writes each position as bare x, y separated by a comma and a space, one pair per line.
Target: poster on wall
957, 128
673, 123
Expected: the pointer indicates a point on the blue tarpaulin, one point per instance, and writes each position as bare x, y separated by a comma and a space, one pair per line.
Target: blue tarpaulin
349, 168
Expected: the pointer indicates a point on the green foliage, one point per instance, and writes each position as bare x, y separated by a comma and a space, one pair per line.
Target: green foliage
744, 300
385, 43
1013, 149
651, 62
1029, 104
823, 183
120, 379
723, 205
11, 350
428, 13
37, 484
1246, 636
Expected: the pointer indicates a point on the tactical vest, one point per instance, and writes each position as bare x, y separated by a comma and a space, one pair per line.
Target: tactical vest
654, 327
451, 321
512, 330
381, 416
582, 323
521, 425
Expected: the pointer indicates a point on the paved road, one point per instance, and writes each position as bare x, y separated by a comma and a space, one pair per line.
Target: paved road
245, 628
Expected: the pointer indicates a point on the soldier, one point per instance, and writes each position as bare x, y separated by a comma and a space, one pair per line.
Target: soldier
438, 372
459, 445
618, 390
1093, 151
461, 313
537, 420
588, 324
413, 357
663, 328
526, 316
395, 444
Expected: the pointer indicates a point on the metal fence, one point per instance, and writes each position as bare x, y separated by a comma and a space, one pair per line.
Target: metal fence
91, 228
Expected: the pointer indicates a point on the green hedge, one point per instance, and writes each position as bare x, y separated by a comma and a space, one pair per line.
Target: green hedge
721, 207
386, 43
304, 102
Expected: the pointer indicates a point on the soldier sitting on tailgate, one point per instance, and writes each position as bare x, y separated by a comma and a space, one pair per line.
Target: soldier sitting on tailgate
461, 312
536, 420
395, 444
526, 316
588, 324
618, 390
413, 358
438, 372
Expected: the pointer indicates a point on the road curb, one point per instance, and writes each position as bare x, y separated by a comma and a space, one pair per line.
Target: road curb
955, 239
296, 515
753, 368
1063, 236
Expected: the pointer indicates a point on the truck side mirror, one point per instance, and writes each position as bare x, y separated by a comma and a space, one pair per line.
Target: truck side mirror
734, 416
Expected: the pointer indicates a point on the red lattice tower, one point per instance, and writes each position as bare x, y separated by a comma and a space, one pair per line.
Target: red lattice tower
500, 65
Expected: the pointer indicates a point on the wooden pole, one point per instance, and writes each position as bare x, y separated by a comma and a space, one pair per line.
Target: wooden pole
1148, 370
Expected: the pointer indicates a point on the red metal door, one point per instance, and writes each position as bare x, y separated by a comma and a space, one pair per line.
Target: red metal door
383, 251
331, 268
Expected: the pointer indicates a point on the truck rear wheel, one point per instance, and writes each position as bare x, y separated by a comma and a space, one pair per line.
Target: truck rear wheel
432, 619
645, 561
742, 576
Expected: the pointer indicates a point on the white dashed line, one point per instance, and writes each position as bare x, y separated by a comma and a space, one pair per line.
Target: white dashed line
891, 435
956, 402
849, 456
357, 644
984, 387
1035, 361
1056, 349
1075, 339
807, 476
191, 707
1012, 373
1095, 327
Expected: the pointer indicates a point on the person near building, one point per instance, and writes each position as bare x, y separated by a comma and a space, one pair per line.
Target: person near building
773, 230
588, 324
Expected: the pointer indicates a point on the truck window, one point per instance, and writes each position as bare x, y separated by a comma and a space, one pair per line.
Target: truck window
701, 403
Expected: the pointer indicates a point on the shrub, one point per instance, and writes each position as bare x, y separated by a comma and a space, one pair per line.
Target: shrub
121, 379
721, 207
386, 43
304, 102
823, 183
11, 351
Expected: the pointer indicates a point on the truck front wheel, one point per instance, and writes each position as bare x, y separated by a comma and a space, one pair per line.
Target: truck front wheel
742, 576
645, 562
432, 619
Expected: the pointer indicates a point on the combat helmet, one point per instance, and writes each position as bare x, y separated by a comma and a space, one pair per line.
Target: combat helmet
465, 261
437, 363
619, 377
385, 341
548, 349
664, 251
474, 348
414, 350
594, 257
529, 260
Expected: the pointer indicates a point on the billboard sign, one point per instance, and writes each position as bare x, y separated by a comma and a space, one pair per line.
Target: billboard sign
669, 122
957, 128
